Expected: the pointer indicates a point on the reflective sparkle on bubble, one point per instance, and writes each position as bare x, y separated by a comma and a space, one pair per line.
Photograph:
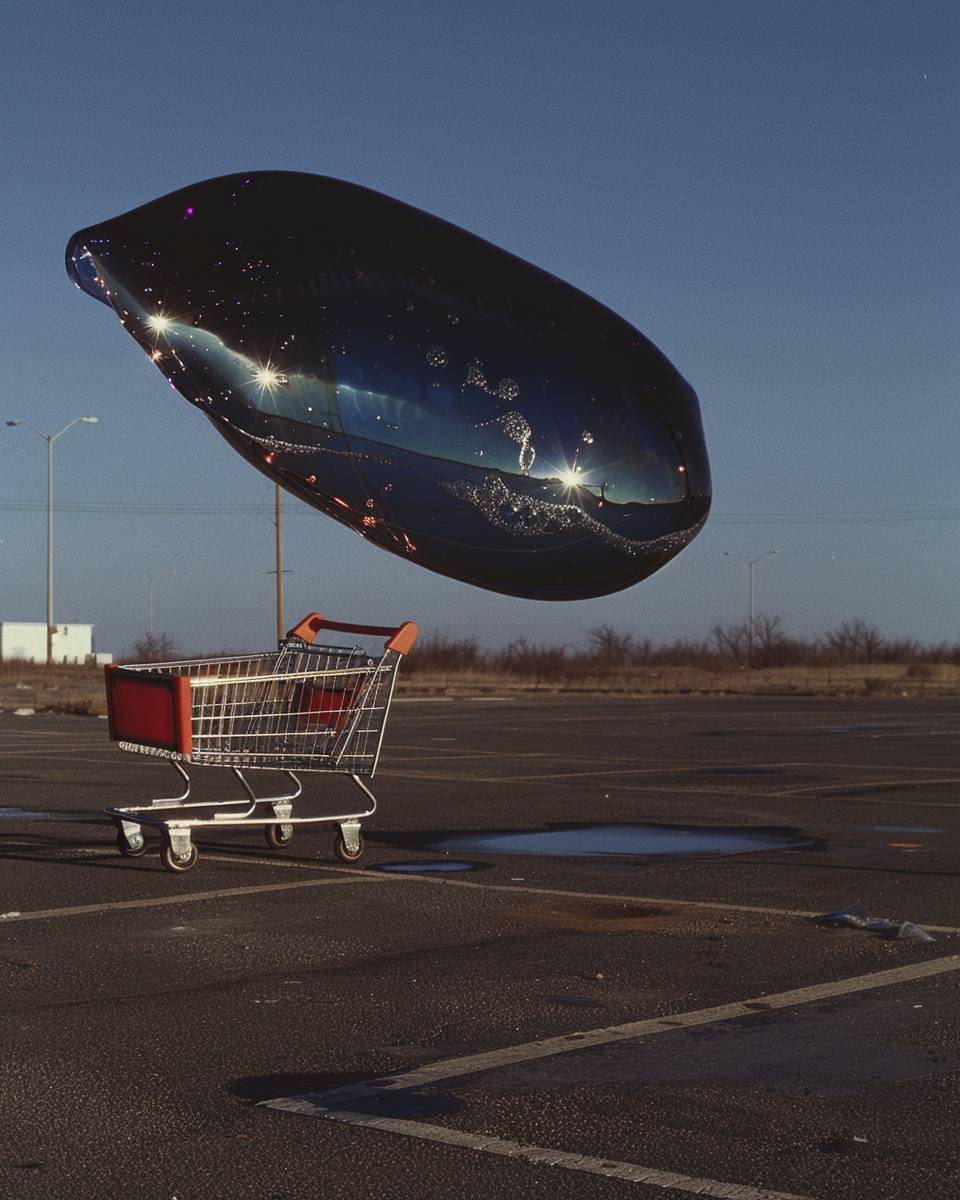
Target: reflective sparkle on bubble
437, 356
268, 378
159, 323
508, 389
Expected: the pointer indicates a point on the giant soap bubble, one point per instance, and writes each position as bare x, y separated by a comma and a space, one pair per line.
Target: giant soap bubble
445, 399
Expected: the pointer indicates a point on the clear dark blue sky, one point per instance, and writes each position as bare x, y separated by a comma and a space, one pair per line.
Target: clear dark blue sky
769, 190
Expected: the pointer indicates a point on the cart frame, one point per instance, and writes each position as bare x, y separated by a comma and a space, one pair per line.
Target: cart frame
305, 706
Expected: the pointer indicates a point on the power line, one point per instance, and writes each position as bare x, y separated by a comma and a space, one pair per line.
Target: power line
246, 508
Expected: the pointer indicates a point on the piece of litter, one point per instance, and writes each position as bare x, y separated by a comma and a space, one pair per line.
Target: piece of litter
855, 916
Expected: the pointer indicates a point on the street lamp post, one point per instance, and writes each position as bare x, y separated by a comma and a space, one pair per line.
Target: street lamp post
50, 438
750, 564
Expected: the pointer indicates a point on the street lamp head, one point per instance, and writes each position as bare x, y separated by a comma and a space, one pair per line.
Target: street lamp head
89, 420
14, 422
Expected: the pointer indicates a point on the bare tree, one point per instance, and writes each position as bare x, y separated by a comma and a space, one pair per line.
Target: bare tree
155, 647
855, 641
731, 641
609, 644
772, 646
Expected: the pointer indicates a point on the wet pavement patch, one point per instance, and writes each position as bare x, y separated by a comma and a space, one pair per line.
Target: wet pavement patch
34, 814
901, 829
605, 915
428, 868
622, 841
826, 1055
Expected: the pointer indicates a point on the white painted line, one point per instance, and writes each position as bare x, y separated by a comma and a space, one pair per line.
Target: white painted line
472, 1064
360, 874
827, 790
46, 914
632, 1172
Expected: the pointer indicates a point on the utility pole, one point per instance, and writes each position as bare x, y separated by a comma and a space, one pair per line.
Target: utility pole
279, 571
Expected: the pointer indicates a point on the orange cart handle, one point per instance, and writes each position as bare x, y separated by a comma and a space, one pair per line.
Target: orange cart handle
400, 638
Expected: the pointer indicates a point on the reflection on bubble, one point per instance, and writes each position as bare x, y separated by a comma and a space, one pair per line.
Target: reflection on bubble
450, 402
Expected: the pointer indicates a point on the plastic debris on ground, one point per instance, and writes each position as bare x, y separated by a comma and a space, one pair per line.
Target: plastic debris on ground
854, 916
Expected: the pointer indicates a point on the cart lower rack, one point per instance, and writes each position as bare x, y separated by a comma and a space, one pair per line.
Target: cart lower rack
302, 707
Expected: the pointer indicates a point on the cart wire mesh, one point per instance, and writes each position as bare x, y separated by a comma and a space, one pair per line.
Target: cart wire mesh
301, 707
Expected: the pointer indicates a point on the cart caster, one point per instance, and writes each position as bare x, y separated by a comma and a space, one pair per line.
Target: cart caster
344, 852
278, 836
178, 863
133, 846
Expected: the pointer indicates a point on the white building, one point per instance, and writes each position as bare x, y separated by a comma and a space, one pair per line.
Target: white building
28, 640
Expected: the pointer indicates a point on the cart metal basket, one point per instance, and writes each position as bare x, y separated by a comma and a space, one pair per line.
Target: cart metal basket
302, 707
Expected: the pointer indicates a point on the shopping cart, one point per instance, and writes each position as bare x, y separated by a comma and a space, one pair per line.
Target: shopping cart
302, 707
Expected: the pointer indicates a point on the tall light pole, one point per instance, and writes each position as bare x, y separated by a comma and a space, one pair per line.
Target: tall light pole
150, 609
50, 438
750, 564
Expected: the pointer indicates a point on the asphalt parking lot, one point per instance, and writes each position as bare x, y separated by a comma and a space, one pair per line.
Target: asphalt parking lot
622, 993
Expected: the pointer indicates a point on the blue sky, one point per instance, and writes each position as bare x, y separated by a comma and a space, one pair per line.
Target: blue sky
767, 190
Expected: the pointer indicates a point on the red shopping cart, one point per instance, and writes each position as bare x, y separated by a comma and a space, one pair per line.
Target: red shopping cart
303, 707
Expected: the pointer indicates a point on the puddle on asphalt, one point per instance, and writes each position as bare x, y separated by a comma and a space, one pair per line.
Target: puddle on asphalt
625, 841
900, 829
428, 868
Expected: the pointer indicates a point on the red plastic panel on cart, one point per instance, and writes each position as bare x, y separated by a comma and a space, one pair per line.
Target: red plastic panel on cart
150, 710
325, 706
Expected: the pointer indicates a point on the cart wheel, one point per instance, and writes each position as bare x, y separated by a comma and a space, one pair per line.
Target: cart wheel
173, 862
278, 836
133, 848
341, 851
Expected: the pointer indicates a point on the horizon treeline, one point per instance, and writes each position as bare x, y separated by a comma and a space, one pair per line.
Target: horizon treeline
725, 648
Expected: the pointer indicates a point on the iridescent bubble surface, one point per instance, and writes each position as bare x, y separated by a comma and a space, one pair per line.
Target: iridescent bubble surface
447, 400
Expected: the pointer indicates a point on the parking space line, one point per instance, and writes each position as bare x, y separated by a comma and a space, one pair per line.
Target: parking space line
360, 874
561, 893
632, 1172
473, 1064
823, 790
76, 910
